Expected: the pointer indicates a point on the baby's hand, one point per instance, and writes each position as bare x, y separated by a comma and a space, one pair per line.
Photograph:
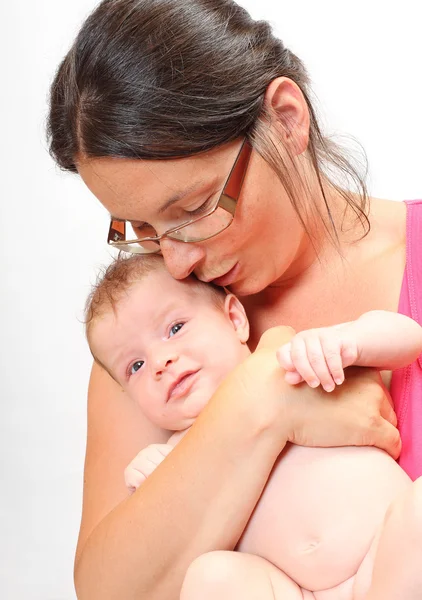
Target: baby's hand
144, 464
318, 356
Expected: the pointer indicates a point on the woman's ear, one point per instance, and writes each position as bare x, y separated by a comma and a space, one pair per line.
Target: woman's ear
235, 312
285, 100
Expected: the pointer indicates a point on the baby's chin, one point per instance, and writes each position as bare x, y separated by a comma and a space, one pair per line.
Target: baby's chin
188, 410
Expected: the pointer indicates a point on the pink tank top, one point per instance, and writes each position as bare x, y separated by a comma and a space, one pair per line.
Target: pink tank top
406, 383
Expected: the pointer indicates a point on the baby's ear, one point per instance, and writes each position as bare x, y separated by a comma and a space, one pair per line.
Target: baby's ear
234, 310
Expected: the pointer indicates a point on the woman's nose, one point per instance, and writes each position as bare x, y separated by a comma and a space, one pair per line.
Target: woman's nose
181, 258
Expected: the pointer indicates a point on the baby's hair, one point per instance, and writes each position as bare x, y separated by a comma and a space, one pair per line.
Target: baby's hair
115, 281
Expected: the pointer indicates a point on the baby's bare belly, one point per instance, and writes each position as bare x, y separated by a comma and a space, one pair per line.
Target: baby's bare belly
320, 510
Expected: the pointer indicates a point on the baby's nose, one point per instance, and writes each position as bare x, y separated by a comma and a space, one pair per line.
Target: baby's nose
162, 362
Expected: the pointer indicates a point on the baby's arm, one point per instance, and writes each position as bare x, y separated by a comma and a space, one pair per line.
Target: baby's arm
385, 340
148, 459
380, 339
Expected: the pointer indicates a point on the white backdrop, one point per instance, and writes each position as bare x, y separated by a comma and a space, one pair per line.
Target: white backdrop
365, 59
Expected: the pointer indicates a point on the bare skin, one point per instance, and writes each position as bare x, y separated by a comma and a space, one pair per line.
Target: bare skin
143, 548
321, 507
347, 289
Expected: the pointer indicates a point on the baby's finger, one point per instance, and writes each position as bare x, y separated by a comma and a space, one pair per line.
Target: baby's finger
133, 478
293, 377
318, 363
159, 452
142, 464
299, 355
284, 358
349, 352
331, 348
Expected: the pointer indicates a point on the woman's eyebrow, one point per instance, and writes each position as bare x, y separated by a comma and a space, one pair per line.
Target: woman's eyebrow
179, 195
172, 200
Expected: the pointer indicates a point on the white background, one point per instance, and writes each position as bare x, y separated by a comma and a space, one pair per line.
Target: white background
365, 60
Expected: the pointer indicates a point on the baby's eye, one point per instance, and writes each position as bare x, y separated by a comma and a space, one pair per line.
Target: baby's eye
136, 366
175, 328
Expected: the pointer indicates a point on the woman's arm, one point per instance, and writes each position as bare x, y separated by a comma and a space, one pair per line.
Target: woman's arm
200, 498
117, 429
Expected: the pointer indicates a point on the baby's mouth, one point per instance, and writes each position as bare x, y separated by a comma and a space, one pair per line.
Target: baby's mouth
181, 386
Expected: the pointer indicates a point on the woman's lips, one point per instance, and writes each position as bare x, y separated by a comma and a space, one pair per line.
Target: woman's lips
182, 386
228, 278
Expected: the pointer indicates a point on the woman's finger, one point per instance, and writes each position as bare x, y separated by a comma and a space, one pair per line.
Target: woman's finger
388, 439
381, 420
387, 410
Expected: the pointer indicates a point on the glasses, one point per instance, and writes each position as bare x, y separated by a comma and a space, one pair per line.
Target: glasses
215, 218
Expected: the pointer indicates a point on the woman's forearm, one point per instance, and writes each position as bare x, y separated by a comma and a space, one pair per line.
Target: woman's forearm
199, 499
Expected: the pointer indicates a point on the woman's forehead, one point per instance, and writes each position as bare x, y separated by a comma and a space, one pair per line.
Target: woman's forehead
125, 185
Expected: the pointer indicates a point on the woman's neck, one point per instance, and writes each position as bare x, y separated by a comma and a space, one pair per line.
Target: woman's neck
332, 286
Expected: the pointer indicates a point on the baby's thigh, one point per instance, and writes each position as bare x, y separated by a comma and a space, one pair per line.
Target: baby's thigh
224, 575
391, 568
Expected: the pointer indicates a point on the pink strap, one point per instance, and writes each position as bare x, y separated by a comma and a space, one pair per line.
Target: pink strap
414, 260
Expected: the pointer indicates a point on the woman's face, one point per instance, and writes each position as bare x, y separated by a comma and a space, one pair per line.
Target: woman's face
264, 243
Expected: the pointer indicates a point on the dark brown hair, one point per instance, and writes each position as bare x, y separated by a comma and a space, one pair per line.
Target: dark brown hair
157, 79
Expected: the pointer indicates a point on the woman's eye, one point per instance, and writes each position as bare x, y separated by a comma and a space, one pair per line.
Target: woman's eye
201, 209
136, 366
175, 328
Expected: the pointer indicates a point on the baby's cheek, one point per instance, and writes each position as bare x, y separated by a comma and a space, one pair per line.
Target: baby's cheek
202, 391
149, 405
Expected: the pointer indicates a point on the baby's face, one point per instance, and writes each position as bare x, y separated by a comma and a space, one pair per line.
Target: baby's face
170, 346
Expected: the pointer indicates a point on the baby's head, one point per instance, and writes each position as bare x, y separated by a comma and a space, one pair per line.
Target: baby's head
168, 343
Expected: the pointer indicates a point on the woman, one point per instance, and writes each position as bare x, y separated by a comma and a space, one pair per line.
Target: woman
153, 105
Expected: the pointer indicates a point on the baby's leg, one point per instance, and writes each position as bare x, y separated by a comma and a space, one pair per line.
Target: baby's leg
236, 575
392, 568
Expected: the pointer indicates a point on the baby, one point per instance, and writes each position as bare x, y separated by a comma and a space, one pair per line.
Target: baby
169, 344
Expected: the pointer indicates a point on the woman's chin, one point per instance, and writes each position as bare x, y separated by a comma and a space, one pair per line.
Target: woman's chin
247, 287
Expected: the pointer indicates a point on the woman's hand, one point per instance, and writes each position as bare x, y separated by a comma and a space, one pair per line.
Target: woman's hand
358, 413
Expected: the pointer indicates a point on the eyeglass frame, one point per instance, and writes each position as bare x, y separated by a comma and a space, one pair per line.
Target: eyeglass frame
227, 200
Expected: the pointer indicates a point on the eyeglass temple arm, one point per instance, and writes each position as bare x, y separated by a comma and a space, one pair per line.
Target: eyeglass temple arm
234, 183
117, 231
229, 204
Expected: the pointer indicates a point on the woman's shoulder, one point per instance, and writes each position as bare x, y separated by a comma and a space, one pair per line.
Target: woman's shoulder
117, 430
